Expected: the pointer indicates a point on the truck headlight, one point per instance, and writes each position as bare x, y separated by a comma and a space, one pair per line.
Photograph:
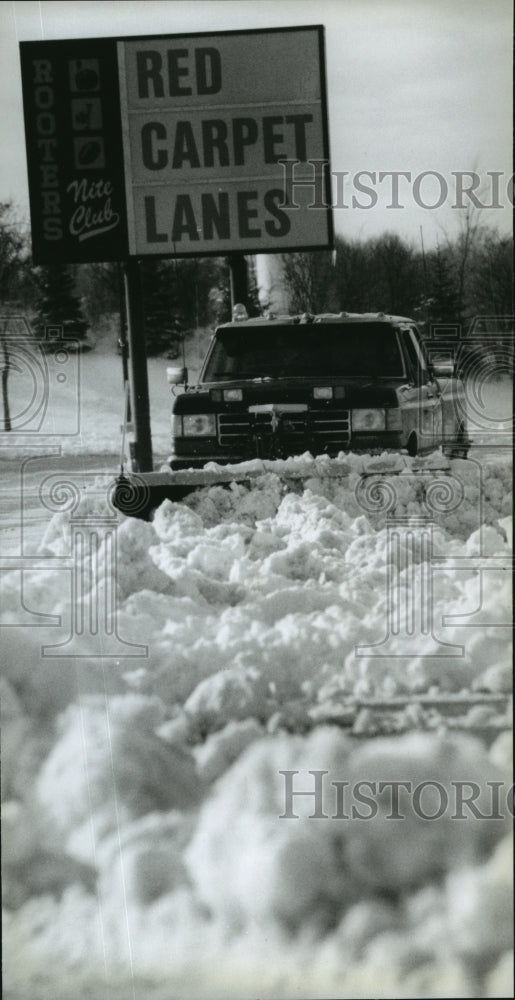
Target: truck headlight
323, 392
368, 420
233, 395
394, 419
199, 425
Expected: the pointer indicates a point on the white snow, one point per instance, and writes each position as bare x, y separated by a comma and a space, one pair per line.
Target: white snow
143, 795
82, 412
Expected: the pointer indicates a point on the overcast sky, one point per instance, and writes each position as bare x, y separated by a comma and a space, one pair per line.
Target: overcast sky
413, 85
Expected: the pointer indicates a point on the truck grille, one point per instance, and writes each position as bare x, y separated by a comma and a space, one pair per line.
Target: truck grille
325, 426
233, 429
333, 425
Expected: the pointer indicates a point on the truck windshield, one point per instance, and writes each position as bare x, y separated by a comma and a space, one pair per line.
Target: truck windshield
351, 350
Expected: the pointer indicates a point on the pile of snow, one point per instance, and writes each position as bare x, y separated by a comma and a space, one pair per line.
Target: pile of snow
228, 884
143, 796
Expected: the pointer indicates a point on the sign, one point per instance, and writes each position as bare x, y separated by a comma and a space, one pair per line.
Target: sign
74, 151
172, 146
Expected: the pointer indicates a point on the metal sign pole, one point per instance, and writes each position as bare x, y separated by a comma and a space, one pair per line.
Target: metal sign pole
239, 285
123, 339
138, 368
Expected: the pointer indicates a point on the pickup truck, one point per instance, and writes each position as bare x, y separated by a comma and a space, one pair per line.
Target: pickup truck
325, 384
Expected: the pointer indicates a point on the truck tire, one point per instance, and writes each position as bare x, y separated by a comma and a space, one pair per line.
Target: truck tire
412, 445
460, 447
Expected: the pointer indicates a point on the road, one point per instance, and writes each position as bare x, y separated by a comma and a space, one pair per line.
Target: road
30, 494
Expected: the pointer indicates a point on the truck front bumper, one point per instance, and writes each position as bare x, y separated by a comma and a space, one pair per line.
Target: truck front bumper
195, 453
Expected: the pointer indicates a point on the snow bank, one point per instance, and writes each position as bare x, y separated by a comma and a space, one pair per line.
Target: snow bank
143, 796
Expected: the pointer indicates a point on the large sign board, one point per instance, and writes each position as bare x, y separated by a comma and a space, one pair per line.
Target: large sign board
175, 145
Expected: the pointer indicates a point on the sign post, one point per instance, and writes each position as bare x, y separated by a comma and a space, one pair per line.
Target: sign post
140, 403
239, 285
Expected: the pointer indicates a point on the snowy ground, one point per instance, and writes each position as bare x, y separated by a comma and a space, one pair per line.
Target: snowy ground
188, 665
85, 404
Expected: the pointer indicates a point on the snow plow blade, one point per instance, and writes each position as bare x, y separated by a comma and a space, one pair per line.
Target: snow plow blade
139, 494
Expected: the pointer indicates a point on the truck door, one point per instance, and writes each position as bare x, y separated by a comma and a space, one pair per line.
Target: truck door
423, 393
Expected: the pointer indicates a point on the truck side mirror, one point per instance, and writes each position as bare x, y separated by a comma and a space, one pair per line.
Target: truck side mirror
176, 376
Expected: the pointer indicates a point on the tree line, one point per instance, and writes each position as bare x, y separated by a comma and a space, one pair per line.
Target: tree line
461, 278
467, 275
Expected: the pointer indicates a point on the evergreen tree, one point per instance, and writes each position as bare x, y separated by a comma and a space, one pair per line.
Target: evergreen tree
396, 276
218, 298
165, 324
194, 281
101, 289
253, 303
58, 305
353, 275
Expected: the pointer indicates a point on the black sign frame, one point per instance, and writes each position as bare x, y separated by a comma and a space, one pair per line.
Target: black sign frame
76, 155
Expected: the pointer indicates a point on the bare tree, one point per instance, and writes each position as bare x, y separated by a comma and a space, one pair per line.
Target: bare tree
13, 252
310, 281
491, 275
13, 262
463, 243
